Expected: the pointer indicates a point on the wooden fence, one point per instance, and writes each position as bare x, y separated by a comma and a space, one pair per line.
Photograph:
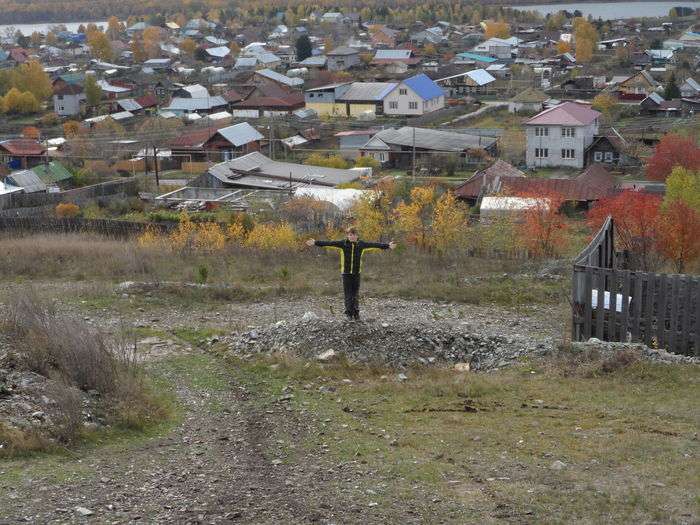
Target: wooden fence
610, 304
107, 227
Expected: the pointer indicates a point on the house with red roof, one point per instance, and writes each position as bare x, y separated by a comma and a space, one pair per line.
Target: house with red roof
21, 153
559, 136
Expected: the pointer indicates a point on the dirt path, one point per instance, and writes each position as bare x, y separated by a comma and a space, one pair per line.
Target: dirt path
214, 467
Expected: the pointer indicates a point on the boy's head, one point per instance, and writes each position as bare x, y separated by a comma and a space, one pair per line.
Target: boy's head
351, 234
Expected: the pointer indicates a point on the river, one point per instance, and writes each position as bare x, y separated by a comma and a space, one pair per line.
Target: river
28, 29
612, 10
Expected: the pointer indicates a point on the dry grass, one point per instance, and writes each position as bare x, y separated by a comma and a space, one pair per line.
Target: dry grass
250, 274
77, 357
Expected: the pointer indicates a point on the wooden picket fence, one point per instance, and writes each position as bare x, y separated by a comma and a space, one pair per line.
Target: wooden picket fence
611, 304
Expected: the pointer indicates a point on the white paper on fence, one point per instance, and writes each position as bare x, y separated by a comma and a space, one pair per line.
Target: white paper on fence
606, 300
342, 198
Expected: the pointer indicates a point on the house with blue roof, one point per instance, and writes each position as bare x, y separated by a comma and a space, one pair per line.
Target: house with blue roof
416, 95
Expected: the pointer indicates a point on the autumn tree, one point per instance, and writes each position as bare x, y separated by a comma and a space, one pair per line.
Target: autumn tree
20, 103
71, 128
679, 236
100, 46
113, 28
137, 49
188, 47
151, 41
563, 47
31, 77
671, 151
449, 223
36, 39
373, 212
683, 185
606, 104
430, 50
414, 219
544, 230
333, 161
636, 217
585, 38
93, 91
496, 29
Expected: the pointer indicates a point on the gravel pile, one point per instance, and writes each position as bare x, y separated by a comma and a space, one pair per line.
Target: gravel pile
394, 343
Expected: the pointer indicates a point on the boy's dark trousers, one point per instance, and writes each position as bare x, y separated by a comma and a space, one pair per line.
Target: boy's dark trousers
351, 287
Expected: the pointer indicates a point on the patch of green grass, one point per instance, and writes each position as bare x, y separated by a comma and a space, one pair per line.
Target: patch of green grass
200, 371
626, 436
195, 336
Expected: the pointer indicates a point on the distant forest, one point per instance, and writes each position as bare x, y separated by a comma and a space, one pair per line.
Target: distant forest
33, 11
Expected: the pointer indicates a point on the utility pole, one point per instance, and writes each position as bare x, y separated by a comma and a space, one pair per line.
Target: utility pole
155, 165
272, 144
413, 156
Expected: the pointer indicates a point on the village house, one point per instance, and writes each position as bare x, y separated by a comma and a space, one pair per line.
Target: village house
365, 98
215, 144
611, 149
18, 154
476, 81
690, 88
68, 100
529, 101
342, 58
637, 87
591, 185
416, 95
394, 147
559, 136
256, 171
324, 100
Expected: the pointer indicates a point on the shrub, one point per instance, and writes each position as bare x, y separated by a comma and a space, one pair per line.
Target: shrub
79, 357
209, 237
272, 237
66, 210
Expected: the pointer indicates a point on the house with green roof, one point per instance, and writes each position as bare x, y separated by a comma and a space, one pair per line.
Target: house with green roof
53, 174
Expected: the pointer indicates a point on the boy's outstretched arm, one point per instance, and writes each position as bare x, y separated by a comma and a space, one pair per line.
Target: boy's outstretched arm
330, 244
381, 245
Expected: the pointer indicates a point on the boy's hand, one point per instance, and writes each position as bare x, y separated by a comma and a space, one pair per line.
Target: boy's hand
392, 245
310, 242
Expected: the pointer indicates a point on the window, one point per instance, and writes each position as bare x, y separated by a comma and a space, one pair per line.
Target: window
413, 105
60, 97
608, 156
568, 154
403, 91
393, 105
542, 132
598, 156
541, 153
568, 132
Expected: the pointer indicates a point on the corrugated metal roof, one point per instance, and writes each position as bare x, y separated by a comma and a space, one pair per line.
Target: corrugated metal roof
52, 172
392, 54
278, 77
368, 91
218, 52
195, 104
129, 104
240, 134
432, 139
27, 180
257, 164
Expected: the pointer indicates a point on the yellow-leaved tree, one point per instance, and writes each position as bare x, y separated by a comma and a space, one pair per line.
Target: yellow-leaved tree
586, 39
414, 219
449, 223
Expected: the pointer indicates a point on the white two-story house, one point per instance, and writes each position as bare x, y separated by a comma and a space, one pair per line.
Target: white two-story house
416, 95
559, 136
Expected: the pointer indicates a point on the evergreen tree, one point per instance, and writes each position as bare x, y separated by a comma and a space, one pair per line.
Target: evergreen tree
303, 48
672, 91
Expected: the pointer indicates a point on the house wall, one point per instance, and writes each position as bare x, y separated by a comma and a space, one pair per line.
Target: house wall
340, 63
554, 143
327, 108
69, 103
359, 108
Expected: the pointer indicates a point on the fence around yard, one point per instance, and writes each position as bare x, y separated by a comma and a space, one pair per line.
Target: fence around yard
108, 227
612, 304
